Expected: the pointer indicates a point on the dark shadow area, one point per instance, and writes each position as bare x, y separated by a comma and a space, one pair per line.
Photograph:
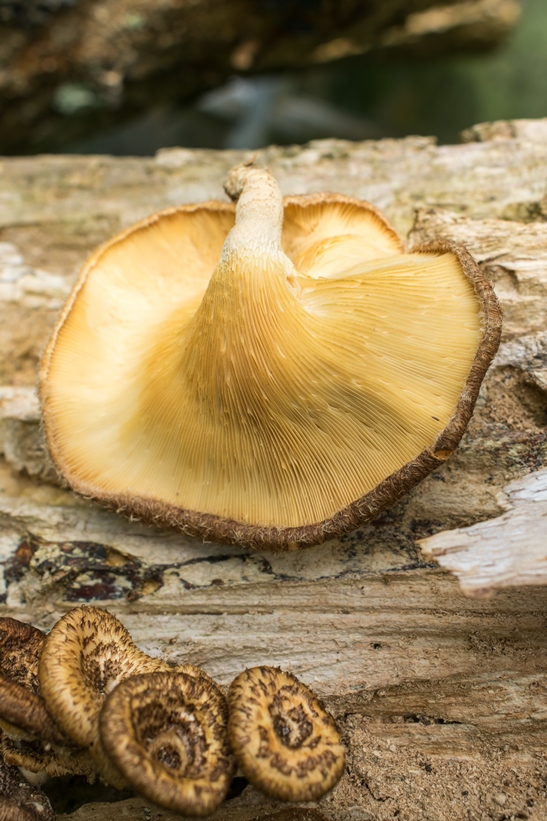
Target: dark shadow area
69, 792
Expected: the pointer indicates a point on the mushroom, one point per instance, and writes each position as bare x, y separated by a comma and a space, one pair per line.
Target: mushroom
20, 647
32, 739
85, 656
274, 382
39, 760
23, 714
284, 740
166, 732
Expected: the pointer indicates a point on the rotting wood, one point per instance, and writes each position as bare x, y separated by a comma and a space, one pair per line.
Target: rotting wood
442, 698
504, 552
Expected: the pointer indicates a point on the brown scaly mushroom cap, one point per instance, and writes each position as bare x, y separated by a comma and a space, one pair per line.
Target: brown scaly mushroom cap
23, 714
85, 656
20, 647
39, 760
273, 383
284, 740
20, 801
32, 739
167, 734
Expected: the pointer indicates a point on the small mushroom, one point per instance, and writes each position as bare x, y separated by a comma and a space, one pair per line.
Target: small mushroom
32, 739
20, 647
85, 656
39, 760
274, 382
23, 714
167, 734
284, 740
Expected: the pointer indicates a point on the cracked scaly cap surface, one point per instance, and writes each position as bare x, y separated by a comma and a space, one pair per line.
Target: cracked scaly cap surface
86, 654
32, 738
283, 739
167, 734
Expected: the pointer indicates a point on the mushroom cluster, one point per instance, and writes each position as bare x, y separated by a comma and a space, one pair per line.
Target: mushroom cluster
272, 374
84, 699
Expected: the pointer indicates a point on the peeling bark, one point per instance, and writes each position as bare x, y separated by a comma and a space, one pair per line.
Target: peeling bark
508, 551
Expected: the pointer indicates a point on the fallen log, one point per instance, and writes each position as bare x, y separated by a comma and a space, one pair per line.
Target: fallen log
442, 698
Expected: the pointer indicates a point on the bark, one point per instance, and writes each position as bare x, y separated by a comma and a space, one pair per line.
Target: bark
441, 697
69, 67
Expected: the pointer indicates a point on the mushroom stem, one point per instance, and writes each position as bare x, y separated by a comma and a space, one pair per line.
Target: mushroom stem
259, 212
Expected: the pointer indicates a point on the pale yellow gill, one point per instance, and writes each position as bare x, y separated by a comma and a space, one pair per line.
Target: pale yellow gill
265, 389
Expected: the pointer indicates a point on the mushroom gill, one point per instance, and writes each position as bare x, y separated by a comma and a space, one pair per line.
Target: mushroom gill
273, 382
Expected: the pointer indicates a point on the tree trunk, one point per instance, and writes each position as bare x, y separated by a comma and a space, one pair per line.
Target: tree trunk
71, 67
442, 698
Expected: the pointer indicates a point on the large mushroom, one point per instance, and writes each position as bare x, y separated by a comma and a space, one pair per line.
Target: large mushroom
273, 383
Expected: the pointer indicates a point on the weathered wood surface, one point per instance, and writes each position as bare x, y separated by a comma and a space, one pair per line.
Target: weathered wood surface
504, 552
442, 698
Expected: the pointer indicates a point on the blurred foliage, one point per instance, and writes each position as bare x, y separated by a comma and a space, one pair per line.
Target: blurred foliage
444, 96
367, 96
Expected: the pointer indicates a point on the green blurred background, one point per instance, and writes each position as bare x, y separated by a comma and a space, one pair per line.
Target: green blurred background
368, 96
444, 96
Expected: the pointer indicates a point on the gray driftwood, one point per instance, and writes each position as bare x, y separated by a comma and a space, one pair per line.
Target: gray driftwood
442, 698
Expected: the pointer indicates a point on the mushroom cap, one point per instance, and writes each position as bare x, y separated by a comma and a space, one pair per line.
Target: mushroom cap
85, 655
20, 647
46, 759
269, 386
284, 740
23, 714
166, 732
32, 738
